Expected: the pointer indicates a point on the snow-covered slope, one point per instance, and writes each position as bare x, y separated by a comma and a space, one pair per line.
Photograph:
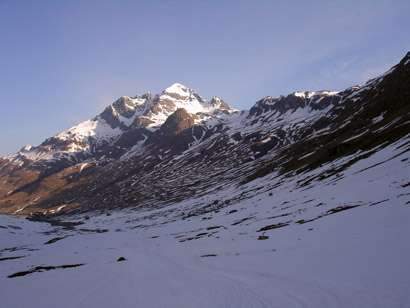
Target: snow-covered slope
337, 242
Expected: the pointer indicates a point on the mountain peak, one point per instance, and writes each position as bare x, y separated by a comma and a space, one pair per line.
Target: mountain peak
180, 142
178, 90
26, 148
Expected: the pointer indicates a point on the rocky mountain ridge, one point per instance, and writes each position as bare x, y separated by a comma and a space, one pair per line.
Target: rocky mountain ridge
152, 151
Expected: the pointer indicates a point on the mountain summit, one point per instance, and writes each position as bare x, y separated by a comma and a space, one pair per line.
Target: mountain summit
155, 150
143, 113
178, 90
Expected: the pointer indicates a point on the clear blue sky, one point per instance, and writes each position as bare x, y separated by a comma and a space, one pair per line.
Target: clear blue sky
62, 62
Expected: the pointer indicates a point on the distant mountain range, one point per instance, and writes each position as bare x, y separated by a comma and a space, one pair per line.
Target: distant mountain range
151, 151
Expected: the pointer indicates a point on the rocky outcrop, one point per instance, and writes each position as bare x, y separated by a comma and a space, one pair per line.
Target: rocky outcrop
177, 122
298, 100
175, 146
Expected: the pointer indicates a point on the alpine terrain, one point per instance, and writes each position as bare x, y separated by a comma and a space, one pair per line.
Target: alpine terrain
172, 200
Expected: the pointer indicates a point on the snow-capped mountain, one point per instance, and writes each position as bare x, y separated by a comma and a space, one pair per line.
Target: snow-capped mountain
124, 114
125, 124
301, 201
151, 151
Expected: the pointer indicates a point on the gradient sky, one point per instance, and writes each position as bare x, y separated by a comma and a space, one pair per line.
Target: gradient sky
62, 62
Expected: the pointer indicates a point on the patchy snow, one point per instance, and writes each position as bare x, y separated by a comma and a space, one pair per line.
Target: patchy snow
307, 155
26, 148
378, 119
94, 133
316, 253
266, 139
309, 94
182, 97
61, 207
78, 138
318, 239
356, 136
327, 92
300, 94
83, 166
19, 210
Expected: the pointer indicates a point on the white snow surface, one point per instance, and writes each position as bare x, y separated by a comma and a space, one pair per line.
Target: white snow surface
358, 257
178, 89
97, 129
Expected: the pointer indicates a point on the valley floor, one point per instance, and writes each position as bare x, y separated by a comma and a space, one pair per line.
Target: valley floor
339, 242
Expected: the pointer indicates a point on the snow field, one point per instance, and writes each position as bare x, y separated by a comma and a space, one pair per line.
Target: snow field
356, 257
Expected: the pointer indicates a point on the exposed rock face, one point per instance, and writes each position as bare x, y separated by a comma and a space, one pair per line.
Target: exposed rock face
125, 107
177, 122
151, 151
294, 101
141, 122
132, 137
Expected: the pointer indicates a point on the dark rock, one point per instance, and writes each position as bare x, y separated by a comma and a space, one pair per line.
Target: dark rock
262, 237
177, 122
